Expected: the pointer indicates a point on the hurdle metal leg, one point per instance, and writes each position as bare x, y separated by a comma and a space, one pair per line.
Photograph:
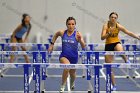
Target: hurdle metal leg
26, 78
37, 80
108, 78
97, 79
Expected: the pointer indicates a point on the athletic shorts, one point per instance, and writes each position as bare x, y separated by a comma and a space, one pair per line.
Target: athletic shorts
111, 47
73, 60
17, 38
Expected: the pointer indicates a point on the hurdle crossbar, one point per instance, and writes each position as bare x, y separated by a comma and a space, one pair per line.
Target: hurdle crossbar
58, 52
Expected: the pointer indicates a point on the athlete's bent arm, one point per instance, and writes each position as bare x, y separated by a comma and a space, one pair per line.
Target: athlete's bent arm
56, 35
104, 34
16, 30
80, 39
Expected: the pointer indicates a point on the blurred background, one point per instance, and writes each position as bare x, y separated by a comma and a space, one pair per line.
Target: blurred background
49, 16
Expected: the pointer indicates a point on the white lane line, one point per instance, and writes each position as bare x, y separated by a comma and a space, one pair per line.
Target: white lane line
31, 77
68, 83
136, 83
137, 73
103, 74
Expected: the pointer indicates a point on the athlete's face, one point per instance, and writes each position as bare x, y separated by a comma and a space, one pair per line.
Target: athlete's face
71, 25
113, 18
27, 19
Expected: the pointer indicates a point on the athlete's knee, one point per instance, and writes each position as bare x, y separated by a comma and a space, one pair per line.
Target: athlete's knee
23, 48
72, 73
108, 61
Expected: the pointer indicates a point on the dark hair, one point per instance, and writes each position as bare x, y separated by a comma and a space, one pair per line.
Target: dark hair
70, 18
113, 13
23, 22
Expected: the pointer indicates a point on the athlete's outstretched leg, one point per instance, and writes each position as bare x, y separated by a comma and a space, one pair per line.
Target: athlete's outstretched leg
72, 78
65, 74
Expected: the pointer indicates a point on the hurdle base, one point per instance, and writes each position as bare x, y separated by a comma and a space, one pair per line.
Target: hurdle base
41, 91
134, 77
1, 75
83, 76
127, 76
130, 77
89, 91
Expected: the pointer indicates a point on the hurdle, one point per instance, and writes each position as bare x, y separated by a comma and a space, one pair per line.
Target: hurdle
108, 67
35, 59
129, 47
38, 65
35, 55
89, 58
5, 37
55, 66
71, 66
26, 70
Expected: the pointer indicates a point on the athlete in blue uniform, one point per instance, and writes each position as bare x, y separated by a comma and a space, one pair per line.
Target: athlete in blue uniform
17, 35
69, 55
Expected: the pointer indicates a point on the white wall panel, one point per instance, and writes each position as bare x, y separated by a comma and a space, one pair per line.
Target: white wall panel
88, 13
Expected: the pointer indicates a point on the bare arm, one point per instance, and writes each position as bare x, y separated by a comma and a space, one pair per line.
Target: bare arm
104, 33
80, 39
123, 29
56, 35
16, 30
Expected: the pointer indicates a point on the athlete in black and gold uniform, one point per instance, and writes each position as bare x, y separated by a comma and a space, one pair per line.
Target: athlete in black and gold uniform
110, 33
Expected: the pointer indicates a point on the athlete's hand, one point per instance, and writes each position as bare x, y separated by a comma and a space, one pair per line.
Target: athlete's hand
78, 36
50, 49
111, 31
